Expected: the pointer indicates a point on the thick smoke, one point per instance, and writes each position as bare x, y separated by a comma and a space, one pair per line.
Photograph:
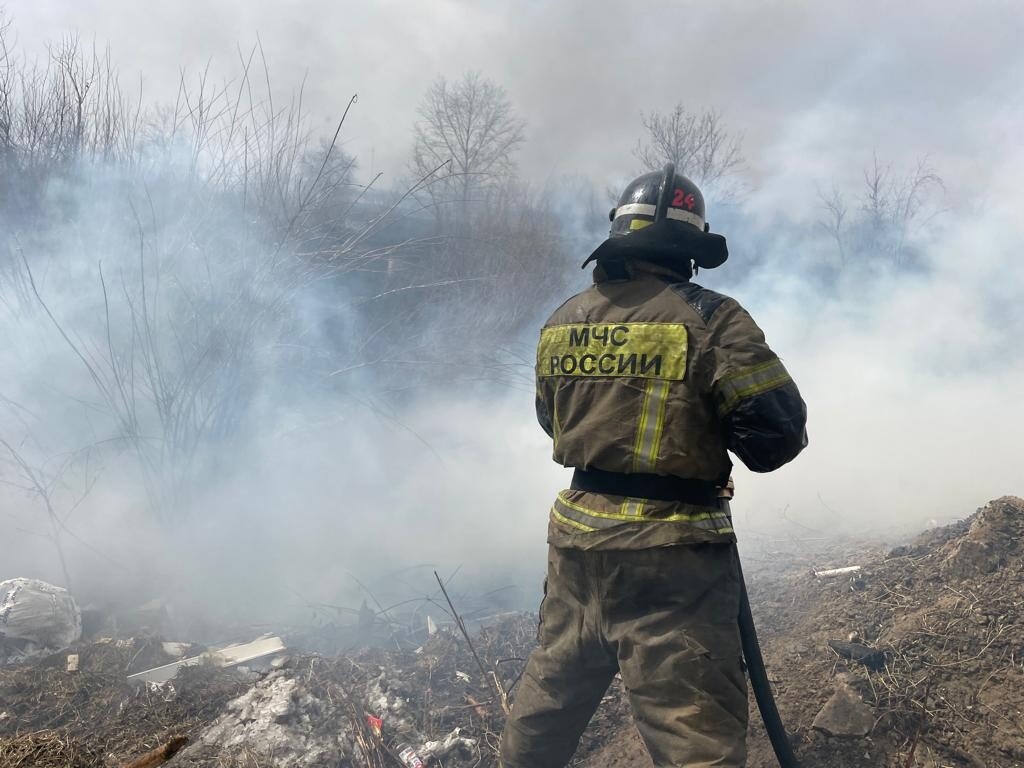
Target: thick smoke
341, 464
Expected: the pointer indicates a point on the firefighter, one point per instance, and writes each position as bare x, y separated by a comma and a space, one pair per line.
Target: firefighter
645, 382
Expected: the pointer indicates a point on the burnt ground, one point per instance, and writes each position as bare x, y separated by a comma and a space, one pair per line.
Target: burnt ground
945, 687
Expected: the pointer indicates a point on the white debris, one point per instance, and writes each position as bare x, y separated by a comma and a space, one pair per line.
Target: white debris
837, 571
228, 656
431, 626
433, 750
383, 701
462, 676
276, 717
72, 662
32, 611
245, 652
175, 650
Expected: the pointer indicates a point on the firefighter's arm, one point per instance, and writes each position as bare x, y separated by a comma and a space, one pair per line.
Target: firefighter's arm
758, 402
543, 416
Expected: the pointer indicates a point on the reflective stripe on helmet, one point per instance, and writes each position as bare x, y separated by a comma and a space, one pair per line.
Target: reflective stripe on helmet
686, 216
645, 209
635, 209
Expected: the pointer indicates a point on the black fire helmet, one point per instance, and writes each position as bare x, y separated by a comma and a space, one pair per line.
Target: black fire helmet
660, 218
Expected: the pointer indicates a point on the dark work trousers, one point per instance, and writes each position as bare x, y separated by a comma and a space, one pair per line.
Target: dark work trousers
665, 618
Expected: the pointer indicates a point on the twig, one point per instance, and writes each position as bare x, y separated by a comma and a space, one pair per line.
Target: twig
499, 690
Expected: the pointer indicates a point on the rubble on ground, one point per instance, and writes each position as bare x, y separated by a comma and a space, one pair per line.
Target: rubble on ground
912, 659
279, 719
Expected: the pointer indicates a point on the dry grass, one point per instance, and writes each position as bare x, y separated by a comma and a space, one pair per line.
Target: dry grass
45, 749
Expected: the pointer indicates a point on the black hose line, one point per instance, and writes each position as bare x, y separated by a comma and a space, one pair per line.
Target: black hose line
759, 681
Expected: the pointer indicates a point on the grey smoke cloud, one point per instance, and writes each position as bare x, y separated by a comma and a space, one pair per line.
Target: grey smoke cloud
912, 378
806, 82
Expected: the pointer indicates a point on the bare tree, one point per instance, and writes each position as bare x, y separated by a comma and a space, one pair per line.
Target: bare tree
891, 206
29, 468
833, 220
216, 214
469, 124
188, 244
697, 143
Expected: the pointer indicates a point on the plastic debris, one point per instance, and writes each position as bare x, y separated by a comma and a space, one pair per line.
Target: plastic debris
375, 723
34, 612
409, 757
434, 750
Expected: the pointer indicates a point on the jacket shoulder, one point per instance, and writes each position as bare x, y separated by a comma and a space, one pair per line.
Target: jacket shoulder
703, 301
573, 309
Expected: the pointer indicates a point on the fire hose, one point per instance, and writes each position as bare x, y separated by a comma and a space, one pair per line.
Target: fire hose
759, 681
755, 661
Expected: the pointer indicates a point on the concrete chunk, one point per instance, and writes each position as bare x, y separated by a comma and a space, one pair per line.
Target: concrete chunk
845, 714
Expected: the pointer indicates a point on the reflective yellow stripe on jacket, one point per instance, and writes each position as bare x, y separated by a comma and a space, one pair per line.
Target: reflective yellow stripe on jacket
650, 427
748, 382
588, 519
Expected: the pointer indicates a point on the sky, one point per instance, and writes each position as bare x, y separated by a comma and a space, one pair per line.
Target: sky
801, 80
911, 380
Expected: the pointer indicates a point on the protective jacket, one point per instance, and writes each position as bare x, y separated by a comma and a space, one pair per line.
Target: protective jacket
654, 375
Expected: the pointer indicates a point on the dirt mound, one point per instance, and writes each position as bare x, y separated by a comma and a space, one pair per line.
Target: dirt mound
947, 613
994, 540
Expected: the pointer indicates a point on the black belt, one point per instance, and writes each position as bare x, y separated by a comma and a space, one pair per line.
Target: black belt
646, 486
